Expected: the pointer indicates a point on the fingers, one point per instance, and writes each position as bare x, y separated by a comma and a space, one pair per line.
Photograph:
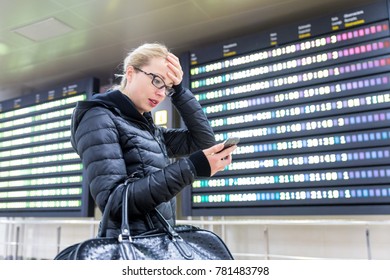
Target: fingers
218, 149
219, 158
214, 149
176, 72
173, 59
227, 152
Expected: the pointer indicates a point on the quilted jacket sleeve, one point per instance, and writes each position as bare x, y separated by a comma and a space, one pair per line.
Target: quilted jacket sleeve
198, 135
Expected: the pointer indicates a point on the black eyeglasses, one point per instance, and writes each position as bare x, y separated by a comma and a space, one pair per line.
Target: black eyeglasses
158, 82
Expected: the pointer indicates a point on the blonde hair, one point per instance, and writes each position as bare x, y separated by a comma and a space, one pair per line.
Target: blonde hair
140, 57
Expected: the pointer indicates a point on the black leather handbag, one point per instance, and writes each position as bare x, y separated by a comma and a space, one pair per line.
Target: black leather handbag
183, 242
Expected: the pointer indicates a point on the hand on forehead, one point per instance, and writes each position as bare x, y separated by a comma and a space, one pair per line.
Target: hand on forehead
175, 71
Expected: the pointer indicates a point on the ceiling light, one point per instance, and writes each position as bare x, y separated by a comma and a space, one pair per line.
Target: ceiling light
4, 49
43, 30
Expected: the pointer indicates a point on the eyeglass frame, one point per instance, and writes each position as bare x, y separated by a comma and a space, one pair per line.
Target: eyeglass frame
169, 91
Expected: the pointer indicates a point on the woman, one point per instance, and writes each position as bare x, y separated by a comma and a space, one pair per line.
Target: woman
116, 138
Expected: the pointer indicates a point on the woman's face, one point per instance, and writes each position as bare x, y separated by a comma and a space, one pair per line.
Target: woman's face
140, 89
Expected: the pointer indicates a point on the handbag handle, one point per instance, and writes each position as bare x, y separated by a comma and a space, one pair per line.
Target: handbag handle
106, 212
125, 228
125, 234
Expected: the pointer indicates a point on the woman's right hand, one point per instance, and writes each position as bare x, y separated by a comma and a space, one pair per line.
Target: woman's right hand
219, 158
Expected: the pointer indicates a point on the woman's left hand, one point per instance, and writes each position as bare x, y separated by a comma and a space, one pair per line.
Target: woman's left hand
176, 72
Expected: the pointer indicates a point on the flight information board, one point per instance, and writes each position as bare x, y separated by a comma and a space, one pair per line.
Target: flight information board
40, 174
310, 103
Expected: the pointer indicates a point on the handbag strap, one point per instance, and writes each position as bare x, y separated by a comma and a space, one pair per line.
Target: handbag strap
107, 209
184, 249
106, 213
166, 225
125, 234
125, 227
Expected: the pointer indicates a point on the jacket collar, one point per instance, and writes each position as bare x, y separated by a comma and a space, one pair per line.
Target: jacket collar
122, 104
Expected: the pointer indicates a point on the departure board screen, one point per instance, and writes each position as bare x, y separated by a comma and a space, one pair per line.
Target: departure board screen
40, 174
310, 103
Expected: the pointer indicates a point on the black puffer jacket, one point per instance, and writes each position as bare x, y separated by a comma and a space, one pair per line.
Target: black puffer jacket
115, 141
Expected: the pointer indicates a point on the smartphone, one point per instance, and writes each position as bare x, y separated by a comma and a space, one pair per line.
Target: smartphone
230, 142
